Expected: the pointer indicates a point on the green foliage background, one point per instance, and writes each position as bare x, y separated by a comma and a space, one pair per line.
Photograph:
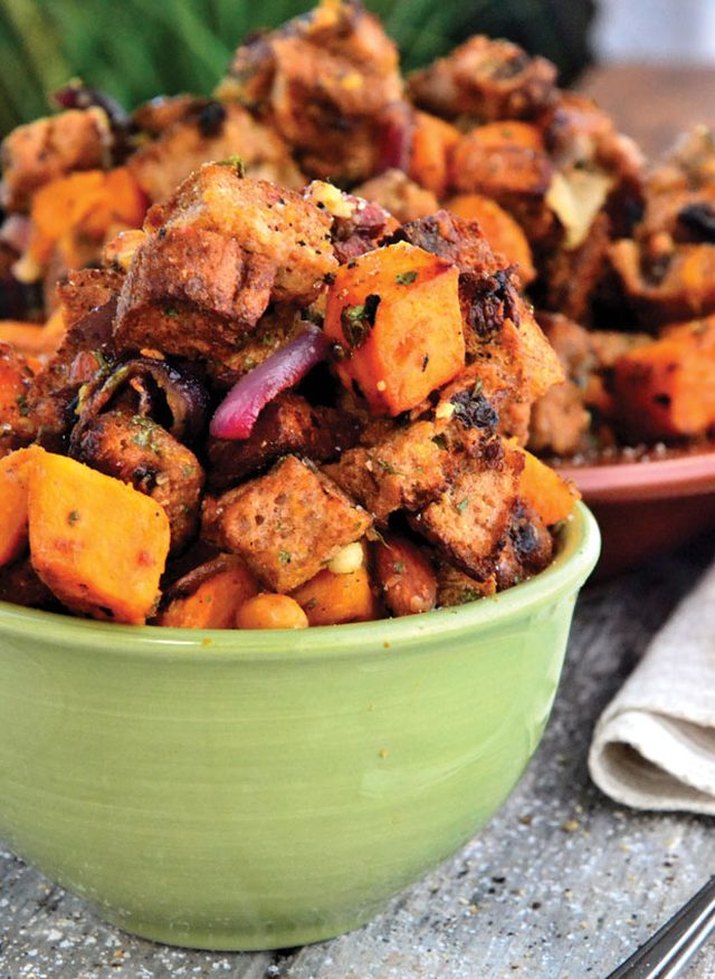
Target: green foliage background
136, 49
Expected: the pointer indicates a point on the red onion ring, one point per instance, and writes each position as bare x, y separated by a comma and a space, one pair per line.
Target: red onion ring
395, 139
236, 415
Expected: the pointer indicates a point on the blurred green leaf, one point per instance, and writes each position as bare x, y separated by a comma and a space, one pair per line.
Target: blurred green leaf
135, 50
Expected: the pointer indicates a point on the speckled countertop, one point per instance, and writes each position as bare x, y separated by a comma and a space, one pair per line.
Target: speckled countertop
562, 884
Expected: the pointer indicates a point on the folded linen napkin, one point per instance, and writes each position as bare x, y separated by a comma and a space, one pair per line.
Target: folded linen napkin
654, 745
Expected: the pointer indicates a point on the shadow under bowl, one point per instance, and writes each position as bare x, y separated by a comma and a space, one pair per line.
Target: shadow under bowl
647, 508
262, 789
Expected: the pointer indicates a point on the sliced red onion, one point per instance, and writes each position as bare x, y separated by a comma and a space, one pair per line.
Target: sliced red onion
236, 415
395, 140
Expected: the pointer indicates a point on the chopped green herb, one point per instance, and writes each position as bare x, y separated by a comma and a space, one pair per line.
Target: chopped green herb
388, 467
462, 505
234, 161
171, 311
146, 431
357, 321
22, 405
405, 278
469, 594
399, 567
72, 517
284, 557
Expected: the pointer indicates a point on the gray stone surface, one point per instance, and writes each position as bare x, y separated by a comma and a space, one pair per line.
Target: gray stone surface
562, 884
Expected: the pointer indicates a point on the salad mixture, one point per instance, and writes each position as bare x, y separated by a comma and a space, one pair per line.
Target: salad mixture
276, 408
617, 256
288, 354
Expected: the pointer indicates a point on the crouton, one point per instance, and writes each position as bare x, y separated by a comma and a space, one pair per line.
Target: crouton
468, 524
528, 549
323, 79
48, 148
399, 195
139, 452
288, 424
405, 470
215, 255
486, 79
204, 131
288, 524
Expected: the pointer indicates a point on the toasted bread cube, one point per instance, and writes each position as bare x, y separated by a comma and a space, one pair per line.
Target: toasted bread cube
288, 524
469, 522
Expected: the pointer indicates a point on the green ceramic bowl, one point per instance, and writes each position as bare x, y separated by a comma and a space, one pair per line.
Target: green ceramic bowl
247, 790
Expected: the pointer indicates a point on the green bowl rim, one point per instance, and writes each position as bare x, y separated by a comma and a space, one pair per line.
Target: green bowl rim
577, 555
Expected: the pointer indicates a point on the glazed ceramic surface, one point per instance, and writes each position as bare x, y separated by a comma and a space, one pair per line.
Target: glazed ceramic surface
245, 790
647, 508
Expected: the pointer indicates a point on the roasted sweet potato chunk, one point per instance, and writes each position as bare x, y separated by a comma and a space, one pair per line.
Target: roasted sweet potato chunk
665, 389
503, 233
395, 314
209, 596
329, 599
15, 470
546, 492
99, 545
432, 140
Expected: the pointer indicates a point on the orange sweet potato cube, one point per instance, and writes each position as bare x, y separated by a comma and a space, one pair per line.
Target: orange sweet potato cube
14, 484
665, 388
97, 543
328, 599
213, 603
545, 490
395, 314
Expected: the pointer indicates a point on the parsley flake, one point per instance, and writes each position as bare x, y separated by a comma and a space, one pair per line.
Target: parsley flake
357, 321
405, 278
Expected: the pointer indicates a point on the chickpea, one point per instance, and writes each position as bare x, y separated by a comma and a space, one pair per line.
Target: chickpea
271, 611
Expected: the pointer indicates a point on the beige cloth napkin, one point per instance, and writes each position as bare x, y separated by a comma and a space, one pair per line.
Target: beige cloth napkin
654, 745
